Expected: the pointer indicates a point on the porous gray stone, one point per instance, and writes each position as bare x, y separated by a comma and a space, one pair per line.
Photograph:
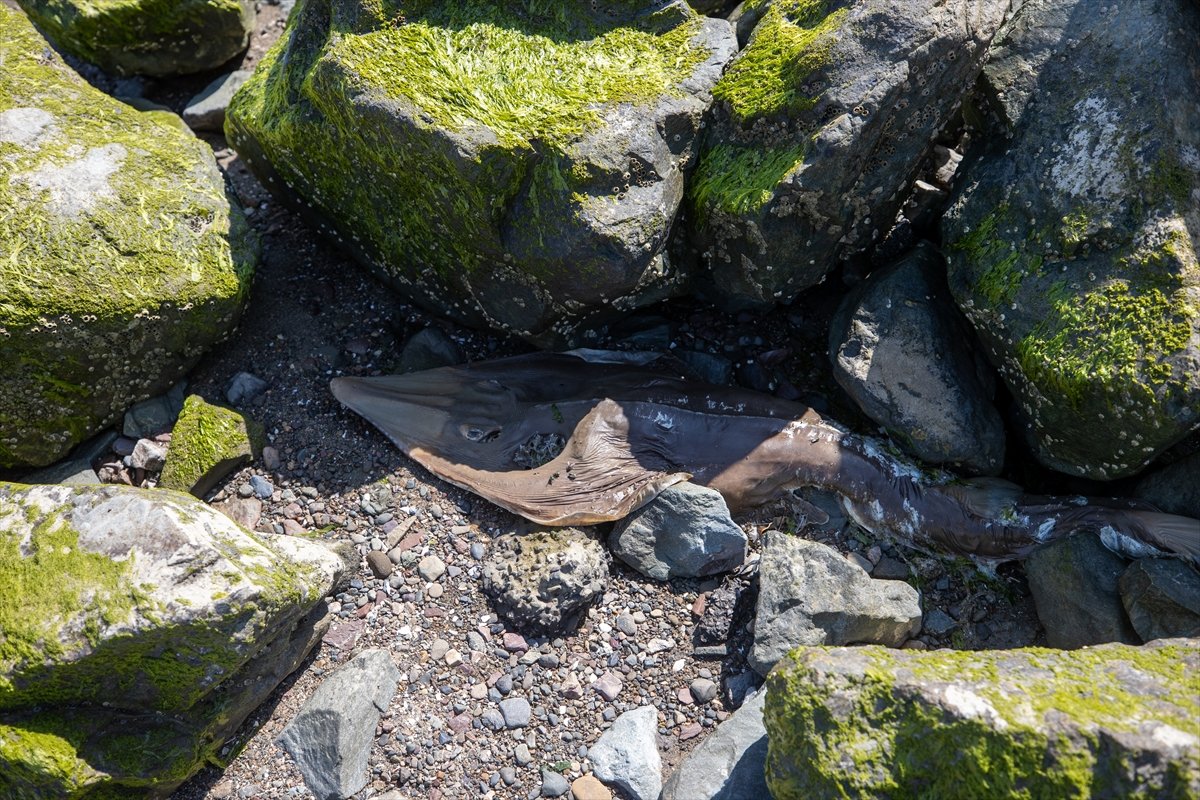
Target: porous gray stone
626, 755
685, 531
806, 165
809, 594
1162, 598
330, 737
1074, 586
543, 582
729, 763
1071, 240
902, 351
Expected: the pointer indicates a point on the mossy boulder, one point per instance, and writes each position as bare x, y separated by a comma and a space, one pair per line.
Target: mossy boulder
207, 443
140, 629
122, 255
866, 722
1072, 243
819, 129
147, 37
509, 163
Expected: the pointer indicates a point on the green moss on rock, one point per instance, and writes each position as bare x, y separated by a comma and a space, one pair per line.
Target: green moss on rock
1030, 723
207, 443
122, 256
152, 37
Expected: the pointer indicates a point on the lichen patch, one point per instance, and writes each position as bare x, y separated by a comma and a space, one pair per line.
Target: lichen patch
25, 127
77, 187
1089, 164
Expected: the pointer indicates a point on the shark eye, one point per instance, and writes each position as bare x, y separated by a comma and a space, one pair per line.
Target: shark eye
476, 433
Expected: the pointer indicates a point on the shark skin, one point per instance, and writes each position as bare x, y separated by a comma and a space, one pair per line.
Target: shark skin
622, 427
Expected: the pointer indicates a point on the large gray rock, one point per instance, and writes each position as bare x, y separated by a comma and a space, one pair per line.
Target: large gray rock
626, 755
141, 628
1174, 488
1110, 721
818, 133
809, 594
330, 738
145, 37
544, 582
1162, 598
1072, 241
901, 350
730, 763
685, 531
530, 187
1074, 586
123, 258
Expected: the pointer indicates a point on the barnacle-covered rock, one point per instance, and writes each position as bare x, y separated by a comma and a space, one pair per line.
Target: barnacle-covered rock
122, 256
140, 629
511, 164
147, 37
1072, 244
819, 129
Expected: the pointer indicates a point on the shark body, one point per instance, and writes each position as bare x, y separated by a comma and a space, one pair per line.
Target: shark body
589, 436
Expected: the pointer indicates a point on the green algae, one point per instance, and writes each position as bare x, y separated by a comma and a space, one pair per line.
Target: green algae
525, 71
741, 180
883, 740
150, 36
121, 258
207, 439
792, 41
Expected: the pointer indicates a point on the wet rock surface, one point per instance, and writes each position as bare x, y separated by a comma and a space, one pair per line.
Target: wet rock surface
325, 474
84, 180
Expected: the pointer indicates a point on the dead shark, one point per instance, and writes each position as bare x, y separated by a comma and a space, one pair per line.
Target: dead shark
588, 436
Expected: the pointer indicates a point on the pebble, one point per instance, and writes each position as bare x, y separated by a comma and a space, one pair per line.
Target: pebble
516, 712
608, 686
508, 775
626, 625
703, 690
554, 784
522, 756
492, 719
478, 550
438, 650
515, 643
262, 487
431, 568
588, 787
